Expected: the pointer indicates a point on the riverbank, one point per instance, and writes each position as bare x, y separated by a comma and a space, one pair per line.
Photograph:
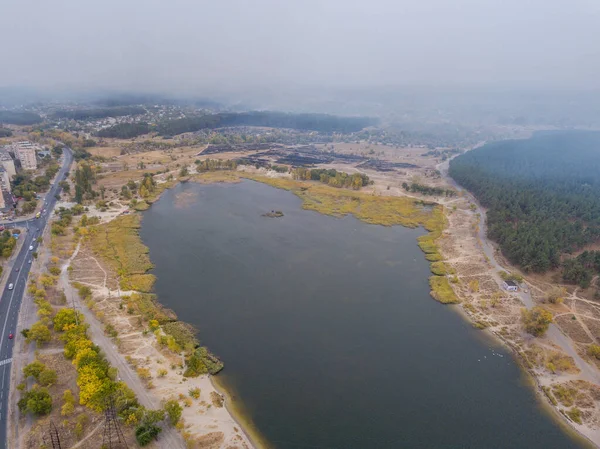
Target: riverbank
113, 263
561, 373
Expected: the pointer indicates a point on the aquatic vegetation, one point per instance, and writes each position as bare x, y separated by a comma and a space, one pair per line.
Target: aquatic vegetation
442, 290
440, 268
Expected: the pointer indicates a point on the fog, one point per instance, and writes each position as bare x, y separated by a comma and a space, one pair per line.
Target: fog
235, 45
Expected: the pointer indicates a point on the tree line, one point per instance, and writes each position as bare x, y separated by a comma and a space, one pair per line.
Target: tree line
215, 164
125, 130
85, 178
427, 190
542, 194
331, 177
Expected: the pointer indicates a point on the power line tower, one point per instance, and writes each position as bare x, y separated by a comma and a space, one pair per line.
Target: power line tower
53, 437
112, 437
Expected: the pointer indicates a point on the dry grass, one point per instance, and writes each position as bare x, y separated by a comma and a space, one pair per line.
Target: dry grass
550, 359
106, 152
119, 244
117, 179
442, 291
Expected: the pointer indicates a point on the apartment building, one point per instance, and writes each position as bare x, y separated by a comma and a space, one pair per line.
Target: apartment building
25, 151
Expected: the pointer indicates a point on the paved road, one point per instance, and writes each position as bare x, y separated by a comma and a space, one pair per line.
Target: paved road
10, 301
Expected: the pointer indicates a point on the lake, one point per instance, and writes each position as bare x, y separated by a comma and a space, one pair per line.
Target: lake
327, 330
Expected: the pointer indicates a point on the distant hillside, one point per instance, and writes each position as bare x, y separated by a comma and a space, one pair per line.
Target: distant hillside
307, 122
542, 195
19, 118
86, 114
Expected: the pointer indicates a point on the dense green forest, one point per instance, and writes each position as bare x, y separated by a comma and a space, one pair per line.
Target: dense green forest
314, 122
86, 114
581, 269
19, 117
125, 130
542, 196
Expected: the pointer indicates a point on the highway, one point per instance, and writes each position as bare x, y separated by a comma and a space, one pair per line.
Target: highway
10, 301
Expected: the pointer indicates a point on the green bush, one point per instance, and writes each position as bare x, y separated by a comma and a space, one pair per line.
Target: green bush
144, 434
536, 320
594, 351
173, 410
37, 401
48, 377
202, 362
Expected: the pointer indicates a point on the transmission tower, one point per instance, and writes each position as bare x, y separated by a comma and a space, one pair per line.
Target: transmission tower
54, 438
112, 438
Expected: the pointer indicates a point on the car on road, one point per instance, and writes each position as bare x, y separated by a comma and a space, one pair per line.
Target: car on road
29, 261
10, 286
11, 336
30, 247
17, 269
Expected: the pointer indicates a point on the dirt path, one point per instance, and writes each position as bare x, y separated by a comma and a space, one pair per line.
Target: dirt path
169, 438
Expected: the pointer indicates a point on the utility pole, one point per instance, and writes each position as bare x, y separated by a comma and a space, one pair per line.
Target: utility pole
112, 437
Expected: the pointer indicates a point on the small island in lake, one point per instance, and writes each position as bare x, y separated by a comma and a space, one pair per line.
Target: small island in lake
273, 214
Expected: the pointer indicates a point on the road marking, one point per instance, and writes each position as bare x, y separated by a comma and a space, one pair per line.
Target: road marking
5, 362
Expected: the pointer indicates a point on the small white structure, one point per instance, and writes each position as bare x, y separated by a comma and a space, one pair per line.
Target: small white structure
510, 286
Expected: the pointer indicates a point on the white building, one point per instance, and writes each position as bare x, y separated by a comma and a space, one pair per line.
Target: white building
25, 151
510, 286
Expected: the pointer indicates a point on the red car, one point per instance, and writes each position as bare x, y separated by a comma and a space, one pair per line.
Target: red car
10, 336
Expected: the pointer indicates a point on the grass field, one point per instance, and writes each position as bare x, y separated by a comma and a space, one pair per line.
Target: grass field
119, 244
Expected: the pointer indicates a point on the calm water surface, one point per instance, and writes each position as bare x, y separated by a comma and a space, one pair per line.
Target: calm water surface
327, 330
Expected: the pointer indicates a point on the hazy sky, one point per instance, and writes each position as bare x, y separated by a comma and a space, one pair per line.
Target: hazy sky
203, 45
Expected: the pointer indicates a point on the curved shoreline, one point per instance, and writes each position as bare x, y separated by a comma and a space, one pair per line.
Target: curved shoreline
532, 382
248, 428
237, 415
545, 401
